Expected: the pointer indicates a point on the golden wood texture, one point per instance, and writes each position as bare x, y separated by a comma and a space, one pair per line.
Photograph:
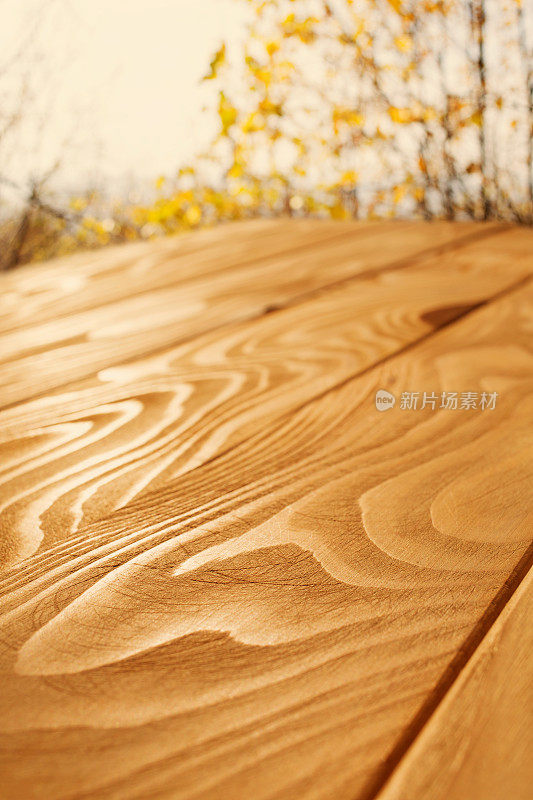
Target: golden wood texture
42, 356
239, 578
86, 451
87, 280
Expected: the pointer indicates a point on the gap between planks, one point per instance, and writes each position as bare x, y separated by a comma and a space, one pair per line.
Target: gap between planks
460, 312
451, 675
508, 584
237, 263
491, 613
472, 642
137, 503
455, 245
206, 245
507, 579
441, 763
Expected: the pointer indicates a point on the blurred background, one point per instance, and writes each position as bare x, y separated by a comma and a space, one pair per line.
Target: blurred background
130, 120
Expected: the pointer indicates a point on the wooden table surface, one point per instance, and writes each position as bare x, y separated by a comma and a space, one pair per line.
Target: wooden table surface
226, 575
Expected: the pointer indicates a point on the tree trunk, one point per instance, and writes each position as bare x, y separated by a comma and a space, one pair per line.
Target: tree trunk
478, 16
527, 58
13, 257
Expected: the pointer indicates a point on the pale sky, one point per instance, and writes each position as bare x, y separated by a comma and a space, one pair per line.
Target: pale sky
129, 73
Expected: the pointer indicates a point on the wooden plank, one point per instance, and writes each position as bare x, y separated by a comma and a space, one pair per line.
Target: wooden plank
271, 622
479, 742
71, 458
41, 357
37, 292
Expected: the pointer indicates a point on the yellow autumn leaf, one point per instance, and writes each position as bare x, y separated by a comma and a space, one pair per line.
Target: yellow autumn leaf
303, 29
399, 193
272, 47
235, 171
350, 116
254, 122
402, 115
396, 5
216, 62
403, 43
355, 118
193, 215
78, 204
349, 178
226, 112
429, 114
338, 211
268, 107
263, 75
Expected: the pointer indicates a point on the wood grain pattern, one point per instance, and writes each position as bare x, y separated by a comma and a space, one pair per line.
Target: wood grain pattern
480, 740
91, 279
88, 280
240, 578
83, 453
40, 357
